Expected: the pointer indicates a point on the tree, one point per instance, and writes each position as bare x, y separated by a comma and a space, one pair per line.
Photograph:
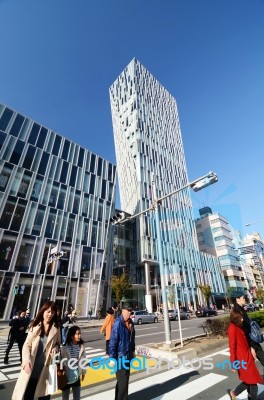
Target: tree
260, 295
229, 294
206, 291
119, 284
171, 295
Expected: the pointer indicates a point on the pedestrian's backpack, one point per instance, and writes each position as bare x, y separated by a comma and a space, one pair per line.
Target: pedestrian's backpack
255, 333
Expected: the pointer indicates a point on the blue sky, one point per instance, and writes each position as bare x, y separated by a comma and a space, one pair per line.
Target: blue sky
59, 57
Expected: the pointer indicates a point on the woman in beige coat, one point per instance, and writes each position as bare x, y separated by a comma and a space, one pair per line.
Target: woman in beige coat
42, 342
107, 328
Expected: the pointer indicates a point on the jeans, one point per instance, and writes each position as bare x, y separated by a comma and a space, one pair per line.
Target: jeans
64, 334
76, 391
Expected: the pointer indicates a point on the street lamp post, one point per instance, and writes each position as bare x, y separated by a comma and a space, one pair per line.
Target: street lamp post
255, 222
196, 185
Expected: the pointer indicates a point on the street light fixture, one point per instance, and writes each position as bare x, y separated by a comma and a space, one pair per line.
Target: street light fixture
256, 222
197, 184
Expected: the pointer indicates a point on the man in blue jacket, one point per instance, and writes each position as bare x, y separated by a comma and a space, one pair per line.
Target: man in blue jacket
121, 348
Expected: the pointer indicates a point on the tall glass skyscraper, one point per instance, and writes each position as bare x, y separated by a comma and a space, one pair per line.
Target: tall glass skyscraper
149, 147
53, 193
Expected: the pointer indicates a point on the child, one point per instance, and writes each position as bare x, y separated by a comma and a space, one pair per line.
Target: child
73, 350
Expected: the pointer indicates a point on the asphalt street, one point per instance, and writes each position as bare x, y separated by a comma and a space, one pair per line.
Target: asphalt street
186, 383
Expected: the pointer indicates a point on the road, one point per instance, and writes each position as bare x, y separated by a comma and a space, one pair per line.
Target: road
146, 387
151, 333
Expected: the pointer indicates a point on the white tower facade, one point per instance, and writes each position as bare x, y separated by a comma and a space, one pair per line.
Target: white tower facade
149, 147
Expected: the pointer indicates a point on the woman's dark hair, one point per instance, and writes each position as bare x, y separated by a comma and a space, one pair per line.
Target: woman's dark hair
71, 333
39, 317
236, 317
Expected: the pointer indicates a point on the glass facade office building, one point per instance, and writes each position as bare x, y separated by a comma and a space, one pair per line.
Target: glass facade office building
149, 147
53, 193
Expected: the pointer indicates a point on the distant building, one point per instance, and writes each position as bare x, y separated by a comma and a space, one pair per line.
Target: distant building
53, 193
215, 237
149, 147
251, 251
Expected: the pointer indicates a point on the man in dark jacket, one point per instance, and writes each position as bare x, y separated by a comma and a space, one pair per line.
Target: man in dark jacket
122, 345
17, 333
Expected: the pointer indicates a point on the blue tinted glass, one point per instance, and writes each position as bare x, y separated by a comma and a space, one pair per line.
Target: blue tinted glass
92, 165
15, 129
43, 163
65, 150
15, 157
2, 139
92, 184
70, 228
81, 156
50, 223
73, 176
99, 167
29, 157
7, 212
109, 172
34, 133
18, 216
103, 189
56, 146
5, 175
4, 120
64, 172
42, 137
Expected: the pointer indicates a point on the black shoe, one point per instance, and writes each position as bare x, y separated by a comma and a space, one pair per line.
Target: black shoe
5, 360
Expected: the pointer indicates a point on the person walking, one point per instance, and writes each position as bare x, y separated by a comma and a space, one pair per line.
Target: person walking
106, 328
65, 326
122, 346
43, 341
73, 350
239, 304
17, 333
99, 313
240, 351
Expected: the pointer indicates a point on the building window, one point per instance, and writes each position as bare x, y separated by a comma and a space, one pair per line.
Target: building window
24, 184
56, 146
24, 257
29, 157
62, 197
18, 216
7, 213
15, 157
42, 138
4, 120
50, 223
4, 177
15, 129
38, 220
6, 252
34, 134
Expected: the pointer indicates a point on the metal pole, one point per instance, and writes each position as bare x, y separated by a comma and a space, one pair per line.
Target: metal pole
44, 278
162, 273
178, 308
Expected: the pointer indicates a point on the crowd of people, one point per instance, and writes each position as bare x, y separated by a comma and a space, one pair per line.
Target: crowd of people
49, 333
